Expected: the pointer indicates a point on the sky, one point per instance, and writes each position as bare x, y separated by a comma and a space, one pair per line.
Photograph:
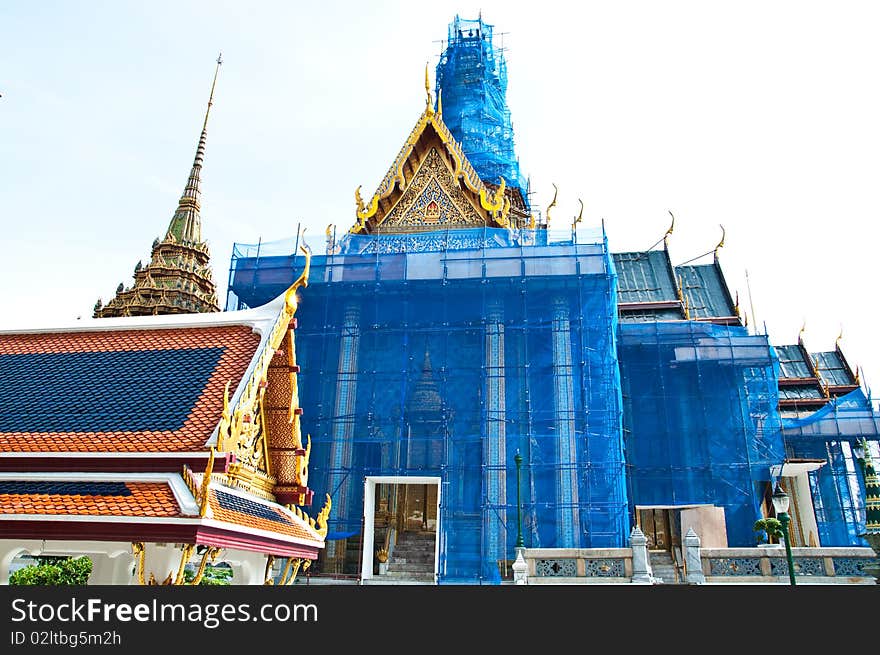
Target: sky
761, 117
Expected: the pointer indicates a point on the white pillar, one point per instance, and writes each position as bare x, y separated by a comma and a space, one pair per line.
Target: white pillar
567, 523
343, 418
494, 450
642, 573
692, 559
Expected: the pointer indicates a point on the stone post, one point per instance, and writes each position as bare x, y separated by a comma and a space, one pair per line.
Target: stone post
692, 559
642, 573
520, 568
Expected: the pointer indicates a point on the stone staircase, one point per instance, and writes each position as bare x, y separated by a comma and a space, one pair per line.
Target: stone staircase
663, 568
412, 560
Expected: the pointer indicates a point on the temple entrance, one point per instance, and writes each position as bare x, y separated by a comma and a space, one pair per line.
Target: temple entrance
401, 521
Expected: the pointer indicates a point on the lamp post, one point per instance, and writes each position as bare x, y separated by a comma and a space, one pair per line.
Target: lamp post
780, 505
519, 538
520, 568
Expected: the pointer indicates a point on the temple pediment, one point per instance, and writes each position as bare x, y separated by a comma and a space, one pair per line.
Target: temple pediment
431, 185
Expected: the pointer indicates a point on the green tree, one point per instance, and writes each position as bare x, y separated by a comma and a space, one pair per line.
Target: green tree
50, 572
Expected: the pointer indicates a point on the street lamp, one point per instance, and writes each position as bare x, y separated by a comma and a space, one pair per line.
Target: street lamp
780, 505
519, 538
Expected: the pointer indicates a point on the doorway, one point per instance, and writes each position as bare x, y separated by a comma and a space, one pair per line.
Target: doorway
394, 505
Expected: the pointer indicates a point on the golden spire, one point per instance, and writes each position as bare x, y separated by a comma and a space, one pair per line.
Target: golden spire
429, 109
440, 102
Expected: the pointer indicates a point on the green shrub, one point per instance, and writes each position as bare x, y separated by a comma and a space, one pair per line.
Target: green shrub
214, 575
54, 572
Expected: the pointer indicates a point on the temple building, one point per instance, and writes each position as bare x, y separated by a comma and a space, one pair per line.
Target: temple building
488, 394
455, 326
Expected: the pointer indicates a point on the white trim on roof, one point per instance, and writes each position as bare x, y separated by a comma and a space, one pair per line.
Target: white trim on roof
185, 500
256, 318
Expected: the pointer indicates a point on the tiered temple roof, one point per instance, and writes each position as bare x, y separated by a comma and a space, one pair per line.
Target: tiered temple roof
177, 279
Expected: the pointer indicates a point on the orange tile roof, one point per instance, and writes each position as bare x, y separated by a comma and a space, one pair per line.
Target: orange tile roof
284, 525
146, 499
238, 344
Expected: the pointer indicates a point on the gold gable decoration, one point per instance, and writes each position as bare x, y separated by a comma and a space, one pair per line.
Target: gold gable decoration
243, 430
495, 205
432, 199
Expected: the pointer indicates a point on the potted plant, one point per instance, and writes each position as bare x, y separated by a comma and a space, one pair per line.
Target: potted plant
768, 528
382, 556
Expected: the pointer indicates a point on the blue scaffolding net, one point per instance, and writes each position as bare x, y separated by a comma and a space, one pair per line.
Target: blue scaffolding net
471, 83
833, 435
439, 356
702, 426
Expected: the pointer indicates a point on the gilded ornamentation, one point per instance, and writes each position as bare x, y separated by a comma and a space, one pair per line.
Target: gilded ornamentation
462, 169
241, 431
270, 562
209, 553
323, 515
720, 243
185, 555
551, 205
433, 183
137, 547
579, 217
290, 570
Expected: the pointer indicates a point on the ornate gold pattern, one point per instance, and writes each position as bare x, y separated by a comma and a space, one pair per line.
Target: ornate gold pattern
433, 182
462, 170
242, 431
323, 515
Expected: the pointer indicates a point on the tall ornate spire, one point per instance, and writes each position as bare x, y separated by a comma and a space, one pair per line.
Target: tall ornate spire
178, 278
186, 224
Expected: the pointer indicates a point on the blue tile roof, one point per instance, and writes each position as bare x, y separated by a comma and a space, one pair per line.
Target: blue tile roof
130, 390
235, 503
16, 487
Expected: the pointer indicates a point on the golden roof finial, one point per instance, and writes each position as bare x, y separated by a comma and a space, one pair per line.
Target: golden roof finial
429, 109
801, 333
839, 337
720, 243
669, 231
440, 102
580, 216
552, 204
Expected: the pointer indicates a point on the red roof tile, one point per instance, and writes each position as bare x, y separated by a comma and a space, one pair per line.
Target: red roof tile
145, 499
239, 343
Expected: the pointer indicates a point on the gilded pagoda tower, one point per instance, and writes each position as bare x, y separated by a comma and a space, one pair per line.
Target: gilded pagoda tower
178, 278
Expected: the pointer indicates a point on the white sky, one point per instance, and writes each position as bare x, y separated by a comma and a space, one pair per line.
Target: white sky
759, 116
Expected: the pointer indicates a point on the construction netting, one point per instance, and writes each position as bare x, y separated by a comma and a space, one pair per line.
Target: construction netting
833, 435
701, 424
471, 84
443, 355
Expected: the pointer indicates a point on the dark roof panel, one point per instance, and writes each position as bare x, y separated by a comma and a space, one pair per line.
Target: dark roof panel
792, 363
833, 369
705, 291
644, 277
